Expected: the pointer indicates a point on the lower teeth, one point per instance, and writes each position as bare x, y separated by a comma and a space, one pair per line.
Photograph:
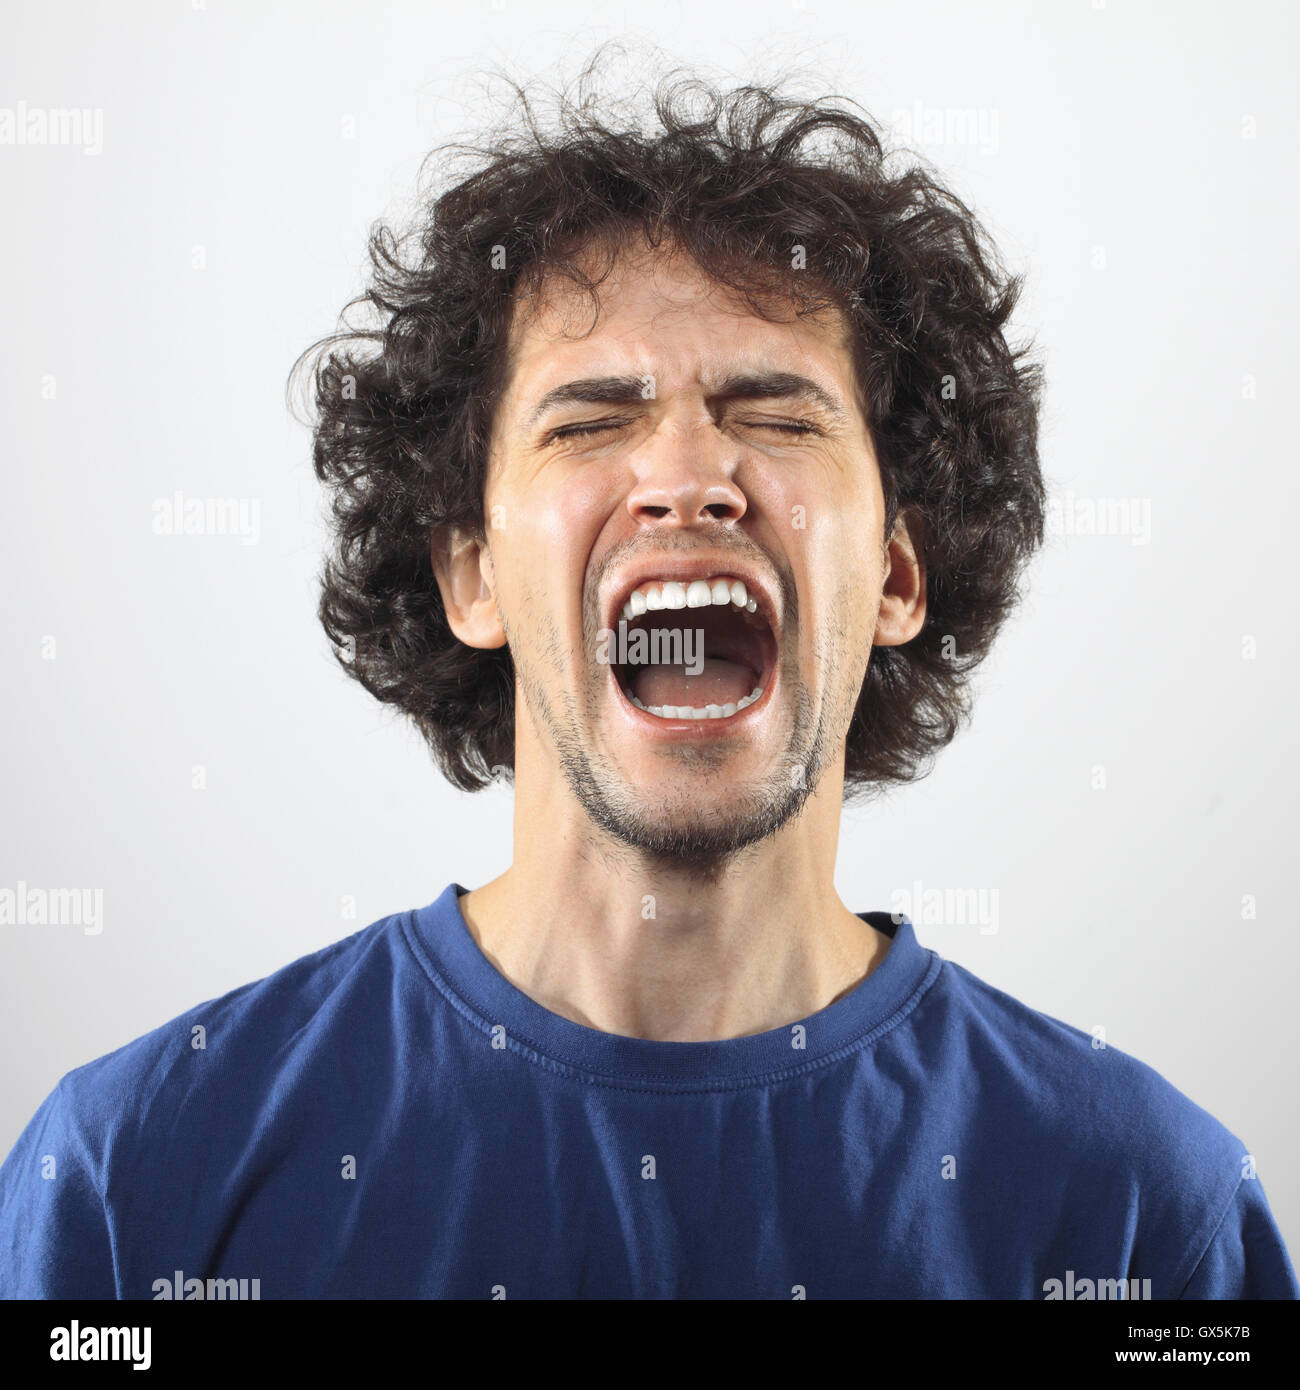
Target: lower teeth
707, 712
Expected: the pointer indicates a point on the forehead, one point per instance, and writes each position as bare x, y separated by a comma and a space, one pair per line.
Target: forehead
657, 312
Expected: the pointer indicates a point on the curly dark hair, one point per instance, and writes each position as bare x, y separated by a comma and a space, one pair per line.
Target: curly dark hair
404, 404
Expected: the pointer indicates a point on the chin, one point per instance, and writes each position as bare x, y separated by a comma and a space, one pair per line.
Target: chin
693, 817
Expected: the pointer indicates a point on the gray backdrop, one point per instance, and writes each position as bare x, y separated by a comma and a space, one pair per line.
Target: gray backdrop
1109, 841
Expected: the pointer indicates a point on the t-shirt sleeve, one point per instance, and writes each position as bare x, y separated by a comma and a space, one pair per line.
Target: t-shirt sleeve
1246, 1258
54, 1234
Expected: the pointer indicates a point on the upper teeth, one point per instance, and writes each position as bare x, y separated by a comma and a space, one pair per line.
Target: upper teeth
698, 593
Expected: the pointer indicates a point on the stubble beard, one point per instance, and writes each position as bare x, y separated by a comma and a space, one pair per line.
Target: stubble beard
675, 830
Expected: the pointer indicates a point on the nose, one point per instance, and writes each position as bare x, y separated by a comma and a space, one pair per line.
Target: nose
684, 479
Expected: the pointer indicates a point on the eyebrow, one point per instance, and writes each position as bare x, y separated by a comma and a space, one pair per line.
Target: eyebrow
627, 390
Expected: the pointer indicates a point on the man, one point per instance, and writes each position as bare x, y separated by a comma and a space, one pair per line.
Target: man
688, 479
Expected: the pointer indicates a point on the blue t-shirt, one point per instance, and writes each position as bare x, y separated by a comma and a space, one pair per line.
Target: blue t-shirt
390, 1117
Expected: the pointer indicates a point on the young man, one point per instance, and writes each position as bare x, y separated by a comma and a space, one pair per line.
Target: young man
688, 480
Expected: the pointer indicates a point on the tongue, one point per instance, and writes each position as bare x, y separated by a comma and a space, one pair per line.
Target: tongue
718, 683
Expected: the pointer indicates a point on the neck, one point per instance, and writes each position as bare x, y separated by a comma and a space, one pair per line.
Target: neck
609, 938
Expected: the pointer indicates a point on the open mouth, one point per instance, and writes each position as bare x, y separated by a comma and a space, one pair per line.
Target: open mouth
700, 650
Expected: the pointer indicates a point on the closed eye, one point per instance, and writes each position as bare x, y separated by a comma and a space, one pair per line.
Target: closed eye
569, 430
598, 427
789, 426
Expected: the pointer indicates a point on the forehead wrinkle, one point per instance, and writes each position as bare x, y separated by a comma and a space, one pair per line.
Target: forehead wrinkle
746, 383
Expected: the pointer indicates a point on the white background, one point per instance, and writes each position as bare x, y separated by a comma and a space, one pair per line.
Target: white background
1138, 161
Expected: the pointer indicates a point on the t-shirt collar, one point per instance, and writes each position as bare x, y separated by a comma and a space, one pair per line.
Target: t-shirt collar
441, 938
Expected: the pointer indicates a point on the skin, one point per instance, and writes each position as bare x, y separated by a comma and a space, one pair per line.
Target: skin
731, 832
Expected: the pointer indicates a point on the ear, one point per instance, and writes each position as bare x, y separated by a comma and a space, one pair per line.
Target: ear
902, 603
462, 565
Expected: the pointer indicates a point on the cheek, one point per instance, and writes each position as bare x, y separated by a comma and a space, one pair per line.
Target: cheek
833, 542
816, 497
542, 538
557, 512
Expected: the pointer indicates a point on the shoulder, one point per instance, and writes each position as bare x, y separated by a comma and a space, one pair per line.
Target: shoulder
238, 1043
1102, 1142
1113, 1126
183, 1095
